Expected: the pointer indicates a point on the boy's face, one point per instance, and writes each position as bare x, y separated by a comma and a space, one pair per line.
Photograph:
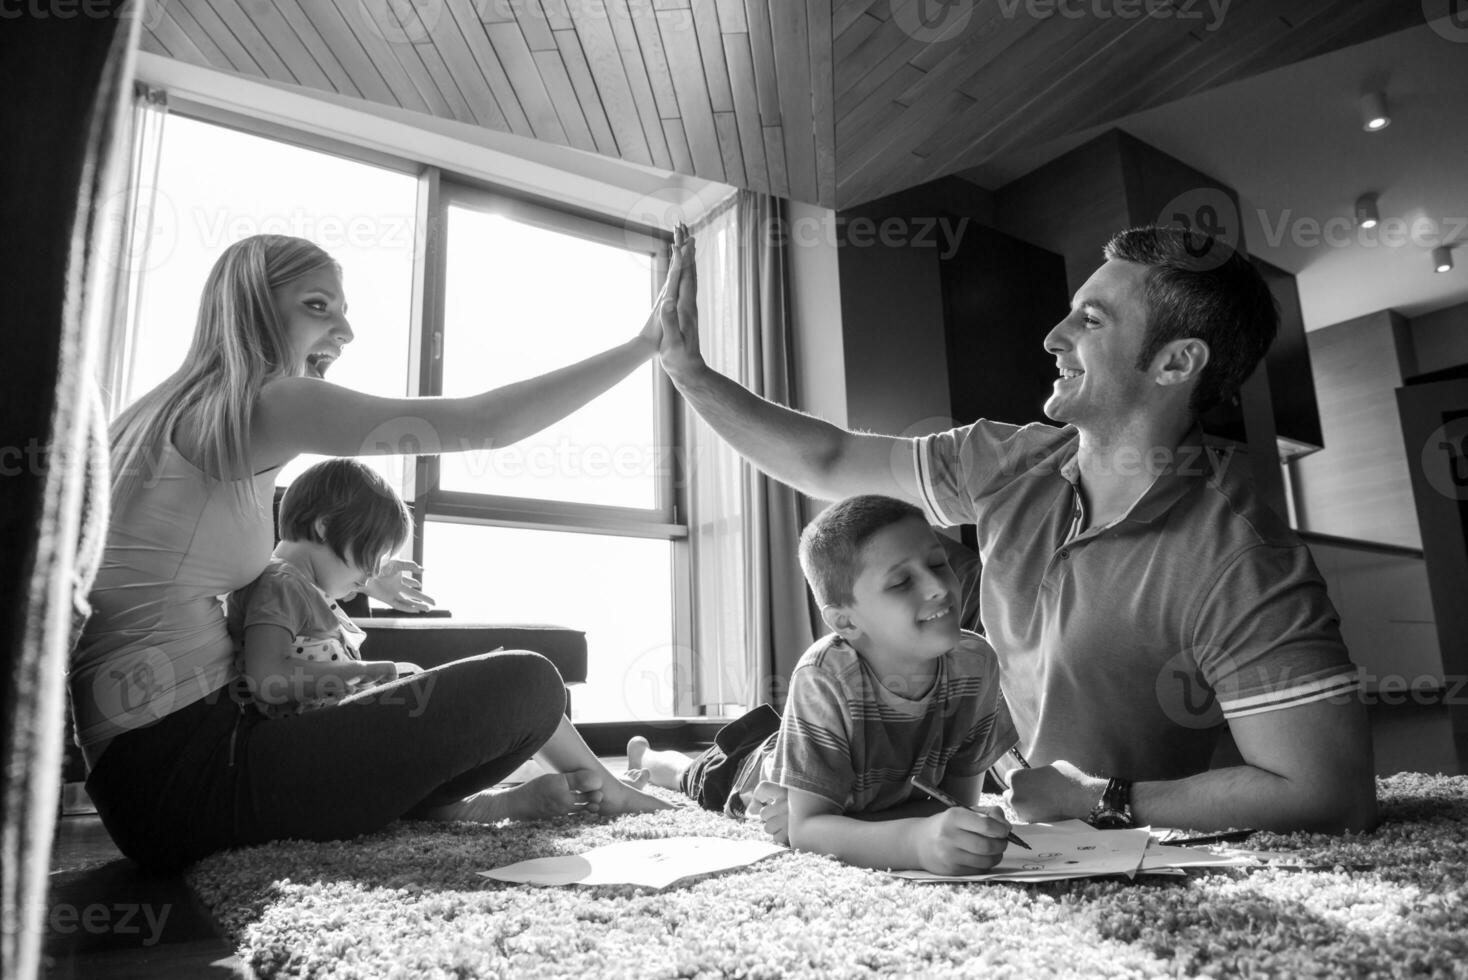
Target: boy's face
906, 595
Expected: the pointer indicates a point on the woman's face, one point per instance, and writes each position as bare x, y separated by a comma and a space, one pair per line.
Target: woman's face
313, 309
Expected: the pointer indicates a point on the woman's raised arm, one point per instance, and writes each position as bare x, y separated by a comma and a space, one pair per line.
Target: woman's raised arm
307, 415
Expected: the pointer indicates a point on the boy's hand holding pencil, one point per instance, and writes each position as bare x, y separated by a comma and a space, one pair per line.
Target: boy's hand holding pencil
962, 839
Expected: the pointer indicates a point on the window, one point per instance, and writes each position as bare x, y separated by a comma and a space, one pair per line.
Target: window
576, 525
216, 185
579, 525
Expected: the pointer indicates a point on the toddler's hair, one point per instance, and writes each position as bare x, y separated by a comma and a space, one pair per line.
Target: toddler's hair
831, 544
364, 514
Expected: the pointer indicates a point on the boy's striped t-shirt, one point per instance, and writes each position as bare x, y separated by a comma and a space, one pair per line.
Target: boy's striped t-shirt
856, 739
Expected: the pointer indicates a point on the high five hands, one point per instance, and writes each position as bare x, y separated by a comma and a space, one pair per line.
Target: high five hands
673, 323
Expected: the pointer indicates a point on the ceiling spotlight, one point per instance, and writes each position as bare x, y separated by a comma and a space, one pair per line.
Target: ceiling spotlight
1442, 259
1366, 213
1373, 112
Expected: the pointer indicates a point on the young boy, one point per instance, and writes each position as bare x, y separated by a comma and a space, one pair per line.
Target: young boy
897, 691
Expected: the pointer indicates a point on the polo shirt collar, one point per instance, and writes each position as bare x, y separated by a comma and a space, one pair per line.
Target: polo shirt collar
1191, 463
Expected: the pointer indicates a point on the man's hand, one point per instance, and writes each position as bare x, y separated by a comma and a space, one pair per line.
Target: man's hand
771, 805
397, 586
678, 313
960, 841
664, 314
1058, 791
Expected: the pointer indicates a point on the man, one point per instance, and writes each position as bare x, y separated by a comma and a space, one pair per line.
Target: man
1137, 592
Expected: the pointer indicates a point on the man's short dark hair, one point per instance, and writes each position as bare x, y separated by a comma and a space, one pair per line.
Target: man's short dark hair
1197, 286
831, 544
364, 514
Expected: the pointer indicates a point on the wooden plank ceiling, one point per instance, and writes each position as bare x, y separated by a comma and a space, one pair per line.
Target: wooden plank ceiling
833, 102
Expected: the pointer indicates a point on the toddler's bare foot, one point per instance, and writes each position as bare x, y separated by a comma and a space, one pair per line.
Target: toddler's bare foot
663, 768
554, 794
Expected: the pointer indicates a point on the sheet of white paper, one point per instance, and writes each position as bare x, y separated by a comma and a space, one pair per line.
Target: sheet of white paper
1159, 857
650, 863
1069, 849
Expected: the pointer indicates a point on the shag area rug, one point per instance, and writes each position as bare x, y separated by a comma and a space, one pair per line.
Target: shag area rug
407, 902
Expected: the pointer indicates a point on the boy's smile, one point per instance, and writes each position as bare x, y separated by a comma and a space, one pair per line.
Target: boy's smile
905, 613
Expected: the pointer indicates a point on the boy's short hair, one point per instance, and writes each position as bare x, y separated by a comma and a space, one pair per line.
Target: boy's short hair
831, 544
364, 514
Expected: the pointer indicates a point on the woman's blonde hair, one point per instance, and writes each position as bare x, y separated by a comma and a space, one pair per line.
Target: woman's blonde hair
240, 343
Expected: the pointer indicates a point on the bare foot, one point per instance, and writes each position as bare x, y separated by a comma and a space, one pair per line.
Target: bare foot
621, 798
663, 768
554, 794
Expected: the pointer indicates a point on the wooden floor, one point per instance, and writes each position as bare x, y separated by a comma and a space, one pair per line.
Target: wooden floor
106, 918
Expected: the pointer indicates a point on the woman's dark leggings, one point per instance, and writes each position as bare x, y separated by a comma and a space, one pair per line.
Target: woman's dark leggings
216, 774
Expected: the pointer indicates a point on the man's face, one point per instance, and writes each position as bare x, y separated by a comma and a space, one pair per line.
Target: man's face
1096, 348
906, 593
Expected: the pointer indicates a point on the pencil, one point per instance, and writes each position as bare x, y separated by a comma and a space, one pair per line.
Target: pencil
947, 800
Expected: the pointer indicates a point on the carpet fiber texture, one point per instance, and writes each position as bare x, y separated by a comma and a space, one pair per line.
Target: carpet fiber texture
408, 902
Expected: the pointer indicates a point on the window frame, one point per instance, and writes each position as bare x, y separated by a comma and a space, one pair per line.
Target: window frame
437, 190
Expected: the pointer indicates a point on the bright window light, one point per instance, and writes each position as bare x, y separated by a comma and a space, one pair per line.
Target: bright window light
616, 589
521, 301
217, 186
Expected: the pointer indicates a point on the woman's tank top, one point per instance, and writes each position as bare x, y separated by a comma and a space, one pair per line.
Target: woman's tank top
156, 640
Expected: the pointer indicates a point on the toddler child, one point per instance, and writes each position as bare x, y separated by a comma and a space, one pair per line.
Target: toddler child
896, 691
339, 521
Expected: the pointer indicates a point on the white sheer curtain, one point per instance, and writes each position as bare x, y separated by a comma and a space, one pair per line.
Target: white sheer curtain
135, 212
752, 622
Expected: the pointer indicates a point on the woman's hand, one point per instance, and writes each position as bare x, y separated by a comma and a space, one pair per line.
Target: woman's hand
679, 314
396, 585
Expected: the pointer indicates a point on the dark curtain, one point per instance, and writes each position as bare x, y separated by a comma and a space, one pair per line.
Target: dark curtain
66, 71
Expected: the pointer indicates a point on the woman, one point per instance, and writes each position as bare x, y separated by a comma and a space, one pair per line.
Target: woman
178, 767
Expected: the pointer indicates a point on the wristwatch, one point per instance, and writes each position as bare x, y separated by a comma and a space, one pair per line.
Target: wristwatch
1114, 810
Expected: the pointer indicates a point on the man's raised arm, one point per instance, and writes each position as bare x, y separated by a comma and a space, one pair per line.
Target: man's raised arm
813, 456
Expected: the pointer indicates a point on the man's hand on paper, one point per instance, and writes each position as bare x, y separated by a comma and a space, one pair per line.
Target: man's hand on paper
1058, 791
